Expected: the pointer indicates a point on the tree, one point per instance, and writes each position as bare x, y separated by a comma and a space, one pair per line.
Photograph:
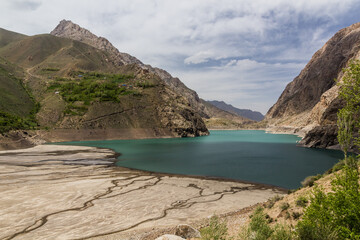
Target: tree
336, 215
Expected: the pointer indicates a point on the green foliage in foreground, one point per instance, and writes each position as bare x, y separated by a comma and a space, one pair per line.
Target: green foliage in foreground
336, 215
217, 230
259, 229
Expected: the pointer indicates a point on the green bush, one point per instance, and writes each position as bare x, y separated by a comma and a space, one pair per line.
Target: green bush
10, 122
284, 206
301, 201
296, 215
217, 230
310, 180
259, 229
273, 200
281, 232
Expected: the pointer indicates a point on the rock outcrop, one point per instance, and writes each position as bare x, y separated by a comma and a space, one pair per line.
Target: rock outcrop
68, 29
187, 231
169, 237
309, 103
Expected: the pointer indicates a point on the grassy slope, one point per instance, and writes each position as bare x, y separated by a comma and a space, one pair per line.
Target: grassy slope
7, 37
38, 53
14, 98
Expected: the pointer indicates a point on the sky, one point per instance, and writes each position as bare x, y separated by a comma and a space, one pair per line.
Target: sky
243, 52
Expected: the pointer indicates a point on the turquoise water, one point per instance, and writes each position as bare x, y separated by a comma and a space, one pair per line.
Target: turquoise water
242, 155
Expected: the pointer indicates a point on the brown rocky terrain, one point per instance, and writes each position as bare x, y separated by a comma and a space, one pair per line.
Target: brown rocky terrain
68, 29
309, 103
45, 62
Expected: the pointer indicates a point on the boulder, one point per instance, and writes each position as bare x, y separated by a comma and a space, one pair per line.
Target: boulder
169, 237
186, 231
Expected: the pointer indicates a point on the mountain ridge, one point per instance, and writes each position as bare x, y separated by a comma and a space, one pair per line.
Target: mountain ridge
247, 113
132, 98
68, 29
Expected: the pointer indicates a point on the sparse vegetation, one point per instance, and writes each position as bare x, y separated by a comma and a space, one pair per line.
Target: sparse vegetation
217, 230
296, 215
301, 201
310, 180
259, 229
50, 69
273, 200
284, 206
92, 86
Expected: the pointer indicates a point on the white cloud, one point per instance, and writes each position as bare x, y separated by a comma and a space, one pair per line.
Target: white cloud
244, 83
182, 35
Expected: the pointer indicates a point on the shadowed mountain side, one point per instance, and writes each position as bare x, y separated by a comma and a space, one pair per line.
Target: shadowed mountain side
310, 102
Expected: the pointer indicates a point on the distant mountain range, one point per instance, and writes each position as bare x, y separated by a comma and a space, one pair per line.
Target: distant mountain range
247, 113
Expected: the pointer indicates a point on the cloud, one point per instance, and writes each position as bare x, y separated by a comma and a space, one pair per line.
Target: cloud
243, 44
244, 83
25, 5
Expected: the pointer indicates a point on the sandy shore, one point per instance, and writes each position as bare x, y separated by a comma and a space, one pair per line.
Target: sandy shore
72, 192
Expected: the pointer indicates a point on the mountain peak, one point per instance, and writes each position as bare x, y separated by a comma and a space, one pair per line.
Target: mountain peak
68, 29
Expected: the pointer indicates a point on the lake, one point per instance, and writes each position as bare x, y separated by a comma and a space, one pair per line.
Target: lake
250, 155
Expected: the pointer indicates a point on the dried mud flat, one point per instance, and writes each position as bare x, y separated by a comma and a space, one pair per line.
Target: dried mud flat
71, 192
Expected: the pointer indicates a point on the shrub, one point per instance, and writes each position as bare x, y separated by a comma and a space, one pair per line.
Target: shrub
284, 206
217, 230
301, 201
296, 215
273, 200
281, 232
259, 229
309, 181
259, 225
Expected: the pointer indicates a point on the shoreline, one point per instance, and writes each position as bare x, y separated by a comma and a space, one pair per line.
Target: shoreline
79, 188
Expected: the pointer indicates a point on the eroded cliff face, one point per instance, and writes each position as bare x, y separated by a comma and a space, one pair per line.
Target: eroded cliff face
309, 103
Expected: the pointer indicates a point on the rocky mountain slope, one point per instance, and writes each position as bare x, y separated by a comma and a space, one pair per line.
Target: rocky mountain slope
70, 30
309, 103
80, 88
247, 113
221, 119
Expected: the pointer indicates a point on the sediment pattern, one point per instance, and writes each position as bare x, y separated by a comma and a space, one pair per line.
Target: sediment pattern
69, 192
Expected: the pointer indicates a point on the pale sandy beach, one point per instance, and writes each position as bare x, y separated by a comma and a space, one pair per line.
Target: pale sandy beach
72, 192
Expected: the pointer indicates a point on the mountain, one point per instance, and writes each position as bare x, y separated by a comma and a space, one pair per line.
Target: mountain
309, 103
247, 113
221, 119
85, 94
14, 97
70, 30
